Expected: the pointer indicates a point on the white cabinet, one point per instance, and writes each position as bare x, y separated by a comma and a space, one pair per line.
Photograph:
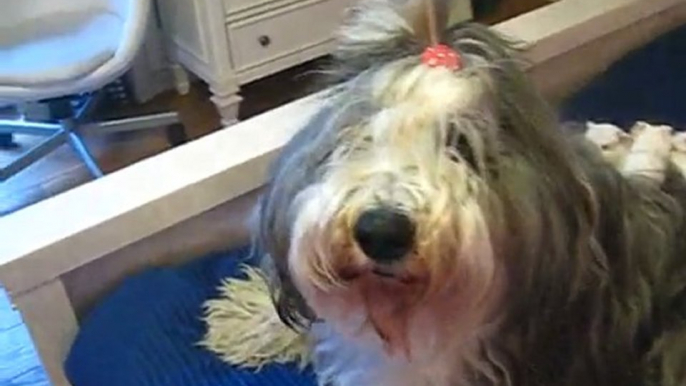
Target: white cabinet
228, 43
150, 73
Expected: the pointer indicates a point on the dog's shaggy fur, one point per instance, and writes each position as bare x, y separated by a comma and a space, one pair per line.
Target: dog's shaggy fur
535, 261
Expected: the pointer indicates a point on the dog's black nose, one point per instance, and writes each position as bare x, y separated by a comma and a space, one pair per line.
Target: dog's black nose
385, 235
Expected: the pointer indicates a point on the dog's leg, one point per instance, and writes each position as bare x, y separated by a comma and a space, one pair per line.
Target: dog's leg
650, 152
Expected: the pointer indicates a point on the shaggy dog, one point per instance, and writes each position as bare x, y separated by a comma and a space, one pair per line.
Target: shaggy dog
434, 224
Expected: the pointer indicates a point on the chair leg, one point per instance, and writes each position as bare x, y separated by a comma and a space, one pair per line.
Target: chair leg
131, 124
85, 155
33, 155
29, 127
7, 141
176, 133
92, 101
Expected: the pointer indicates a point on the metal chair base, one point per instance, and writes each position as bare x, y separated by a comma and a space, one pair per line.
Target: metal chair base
71, 130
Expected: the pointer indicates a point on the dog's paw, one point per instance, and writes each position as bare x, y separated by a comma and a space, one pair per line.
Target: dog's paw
650, 151
613, 142
657, 139
606, 135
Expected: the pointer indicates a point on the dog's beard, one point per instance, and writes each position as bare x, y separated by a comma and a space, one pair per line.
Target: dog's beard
447, 286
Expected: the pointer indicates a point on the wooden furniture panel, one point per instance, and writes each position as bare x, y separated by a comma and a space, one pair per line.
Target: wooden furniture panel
233, 42
260, 41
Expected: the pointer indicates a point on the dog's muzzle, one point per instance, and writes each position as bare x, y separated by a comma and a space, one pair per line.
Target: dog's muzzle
385, 235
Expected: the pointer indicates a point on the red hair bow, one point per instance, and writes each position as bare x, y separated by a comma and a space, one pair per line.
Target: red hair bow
441, 55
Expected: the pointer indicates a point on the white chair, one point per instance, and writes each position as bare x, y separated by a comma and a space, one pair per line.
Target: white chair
52, 51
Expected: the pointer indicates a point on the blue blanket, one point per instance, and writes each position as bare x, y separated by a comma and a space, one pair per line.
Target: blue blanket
647, 84
146, 333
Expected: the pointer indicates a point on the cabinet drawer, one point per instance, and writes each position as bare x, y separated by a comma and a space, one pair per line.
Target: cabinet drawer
268, 37
234, 6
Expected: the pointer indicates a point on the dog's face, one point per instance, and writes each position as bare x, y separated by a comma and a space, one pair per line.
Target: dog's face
394, 210
400, 213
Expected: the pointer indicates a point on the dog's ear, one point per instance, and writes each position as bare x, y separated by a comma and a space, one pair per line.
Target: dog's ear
289, 304
300, 164
271, 239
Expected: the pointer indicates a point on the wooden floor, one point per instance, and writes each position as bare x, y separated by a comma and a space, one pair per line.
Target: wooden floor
19, 364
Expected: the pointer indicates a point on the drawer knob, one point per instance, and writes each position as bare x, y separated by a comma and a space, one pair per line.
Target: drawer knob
264, 40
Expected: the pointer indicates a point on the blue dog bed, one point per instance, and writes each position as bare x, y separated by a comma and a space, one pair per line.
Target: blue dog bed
145, 333
647, 84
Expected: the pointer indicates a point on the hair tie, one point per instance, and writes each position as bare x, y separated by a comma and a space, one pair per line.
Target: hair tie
441, 55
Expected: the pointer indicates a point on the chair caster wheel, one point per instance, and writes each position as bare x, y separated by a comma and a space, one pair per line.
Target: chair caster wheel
7, 142
176, 134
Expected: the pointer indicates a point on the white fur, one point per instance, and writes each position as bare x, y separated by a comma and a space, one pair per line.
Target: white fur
362, 361
374, 22
613, 141
646, 150
679, 151
650, 152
